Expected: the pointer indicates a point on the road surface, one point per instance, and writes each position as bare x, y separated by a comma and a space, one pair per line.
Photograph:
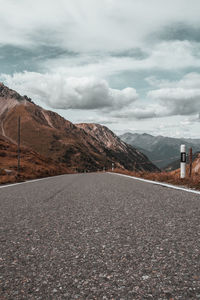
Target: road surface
98, 236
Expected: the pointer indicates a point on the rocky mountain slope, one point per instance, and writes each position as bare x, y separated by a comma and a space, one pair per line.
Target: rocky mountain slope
162, 151
52, 136
119, 151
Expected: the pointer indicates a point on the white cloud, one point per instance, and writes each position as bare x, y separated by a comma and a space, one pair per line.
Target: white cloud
70, 92
88, 37
138, 112
88, 93
90, 25
179, 97
189, 80
103, 120
170, 56
173, 98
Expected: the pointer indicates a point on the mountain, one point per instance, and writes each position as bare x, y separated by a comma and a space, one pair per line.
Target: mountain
52, 136
33, 165
159, 149
176, 164
120, 152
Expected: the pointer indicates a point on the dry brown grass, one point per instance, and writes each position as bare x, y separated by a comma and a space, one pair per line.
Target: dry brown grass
4, 179
168, 177
33, 165
29, 173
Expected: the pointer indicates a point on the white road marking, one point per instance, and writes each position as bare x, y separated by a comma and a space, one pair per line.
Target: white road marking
30, 181
159, 183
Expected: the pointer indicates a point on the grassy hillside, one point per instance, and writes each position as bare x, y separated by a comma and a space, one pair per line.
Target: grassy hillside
33, 165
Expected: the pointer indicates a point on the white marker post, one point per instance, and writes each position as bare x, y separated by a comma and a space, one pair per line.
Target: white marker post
113, 165
183, 161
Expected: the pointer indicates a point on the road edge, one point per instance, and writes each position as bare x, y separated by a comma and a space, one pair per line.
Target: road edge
175, 187
30, 181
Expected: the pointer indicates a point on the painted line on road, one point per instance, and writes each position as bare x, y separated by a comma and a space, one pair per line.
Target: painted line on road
159, 183
30, 181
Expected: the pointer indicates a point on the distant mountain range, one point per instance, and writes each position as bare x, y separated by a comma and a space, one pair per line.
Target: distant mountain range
162, 151
176, 164
80, 146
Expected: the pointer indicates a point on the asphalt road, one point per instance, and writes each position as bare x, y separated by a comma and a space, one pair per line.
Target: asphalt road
98, 236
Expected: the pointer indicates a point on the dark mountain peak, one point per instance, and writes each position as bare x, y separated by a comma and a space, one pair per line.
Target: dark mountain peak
8, 93
146, 134
5, 92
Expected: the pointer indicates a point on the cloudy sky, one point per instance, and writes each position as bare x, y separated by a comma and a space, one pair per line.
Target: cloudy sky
132, 65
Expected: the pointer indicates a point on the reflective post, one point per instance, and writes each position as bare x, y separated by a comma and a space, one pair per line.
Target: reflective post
113, 167
183, 162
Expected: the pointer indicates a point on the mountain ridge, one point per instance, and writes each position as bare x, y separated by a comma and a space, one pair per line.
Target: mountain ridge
51, 135
160, 150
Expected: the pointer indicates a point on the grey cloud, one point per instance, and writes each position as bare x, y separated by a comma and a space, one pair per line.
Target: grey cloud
178, 101
181, 32
116, 31
135, 53
92, 25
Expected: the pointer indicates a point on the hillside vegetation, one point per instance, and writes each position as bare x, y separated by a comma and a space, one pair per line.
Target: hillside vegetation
33, 165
